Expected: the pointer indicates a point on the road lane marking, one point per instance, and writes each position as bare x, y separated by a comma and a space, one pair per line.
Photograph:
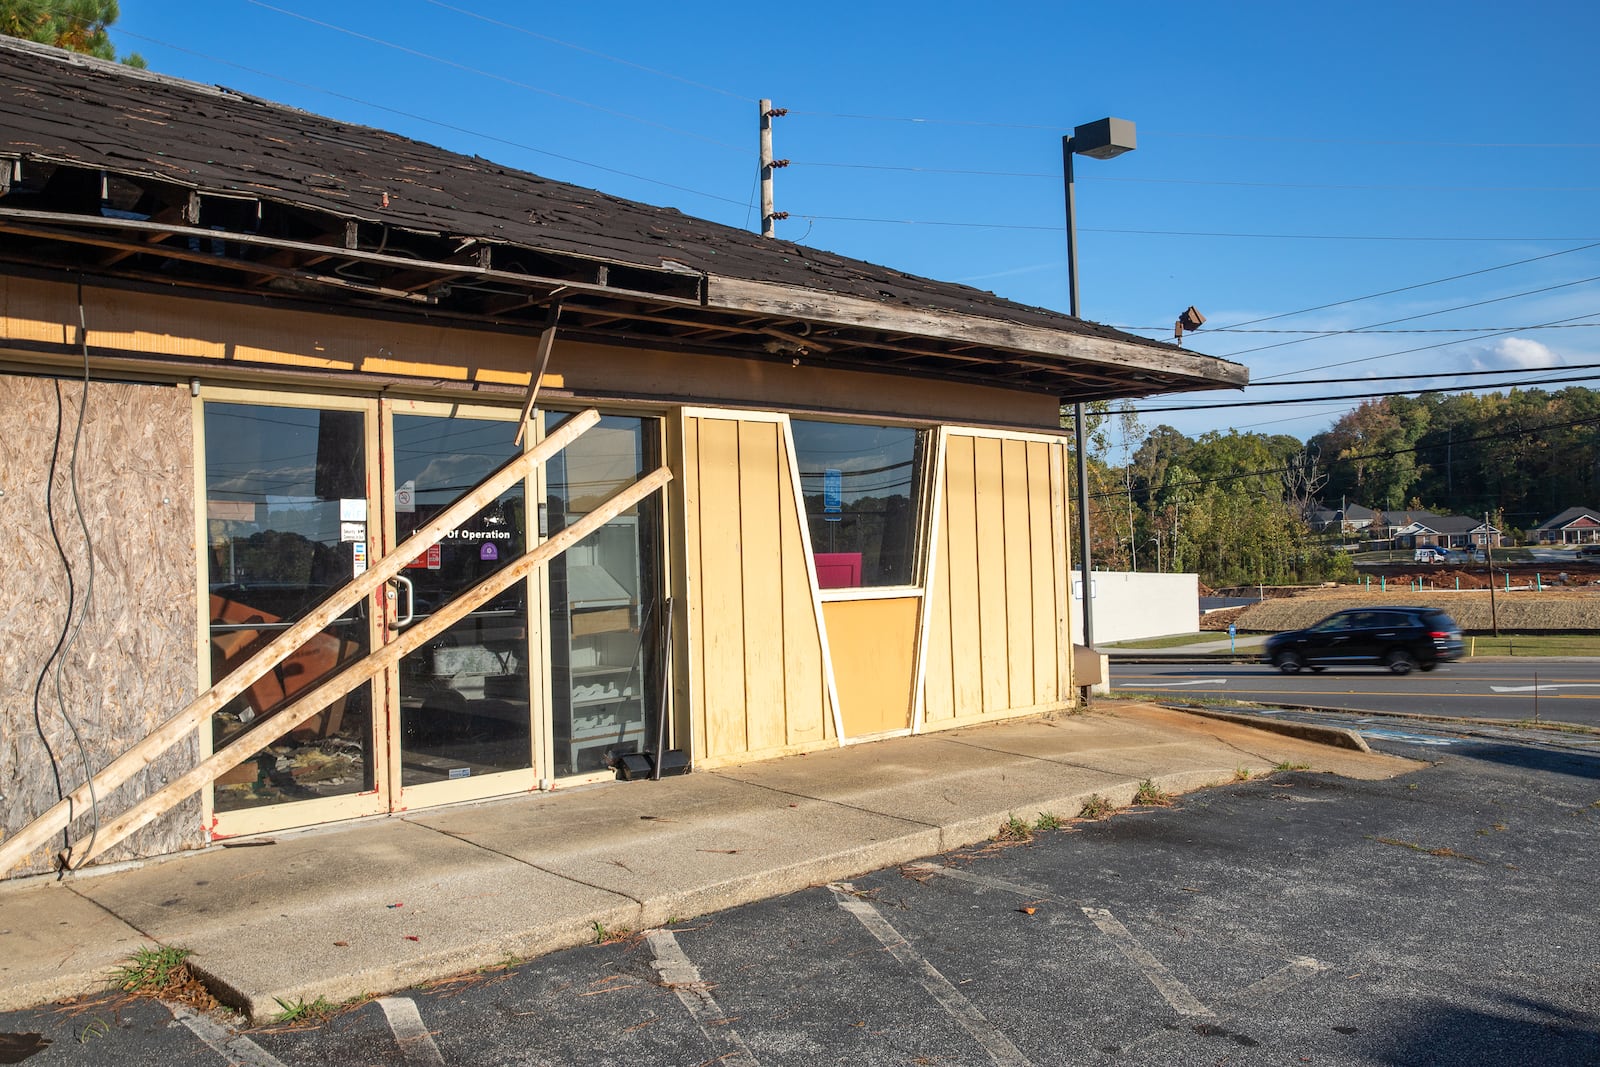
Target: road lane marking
1197, 681
962, 1010
683, 978
405, 1022
235, 1048
1543, 687
1172, 991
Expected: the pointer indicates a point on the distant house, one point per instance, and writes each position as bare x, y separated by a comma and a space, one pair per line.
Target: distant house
1349, 518
1575, 526
1421, 529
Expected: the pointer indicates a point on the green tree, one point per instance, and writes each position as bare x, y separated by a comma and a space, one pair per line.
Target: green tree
76, 25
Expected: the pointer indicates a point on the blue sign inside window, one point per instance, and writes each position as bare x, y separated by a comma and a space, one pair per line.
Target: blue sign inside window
832, 490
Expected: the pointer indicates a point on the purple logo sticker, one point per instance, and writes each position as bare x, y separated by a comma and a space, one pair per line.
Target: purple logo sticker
488, 551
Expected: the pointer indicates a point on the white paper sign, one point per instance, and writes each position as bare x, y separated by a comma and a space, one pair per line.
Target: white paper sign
405, 496
352, 531
353, 509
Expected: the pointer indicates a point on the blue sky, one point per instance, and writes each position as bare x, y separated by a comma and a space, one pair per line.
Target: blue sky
1290, 156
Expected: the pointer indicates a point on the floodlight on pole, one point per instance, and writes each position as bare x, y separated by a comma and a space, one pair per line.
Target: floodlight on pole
1102, 139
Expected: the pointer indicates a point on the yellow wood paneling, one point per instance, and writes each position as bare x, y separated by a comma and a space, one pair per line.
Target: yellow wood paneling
761, 472
722, 587
988, 503
1042, 571
937, 681
873, 647
998, 641
691, 645
1018, 573
758, 683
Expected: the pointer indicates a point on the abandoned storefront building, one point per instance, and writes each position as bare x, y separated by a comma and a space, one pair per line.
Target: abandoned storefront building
344, 475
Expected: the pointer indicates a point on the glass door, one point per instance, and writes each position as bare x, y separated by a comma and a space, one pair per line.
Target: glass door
286, 523
466, 701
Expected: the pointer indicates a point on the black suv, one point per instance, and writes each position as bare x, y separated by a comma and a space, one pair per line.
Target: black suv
1397, 638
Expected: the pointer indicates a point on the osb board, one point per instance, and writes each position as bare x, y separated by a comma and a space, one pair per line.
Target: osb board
132, 662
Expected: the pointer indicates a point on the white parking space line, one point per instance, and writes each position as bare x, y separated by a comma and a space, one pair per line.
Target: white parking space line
1172, 991
1285, 978
1032, 892
962, 1010
683, 978
405, 1022
232, 1047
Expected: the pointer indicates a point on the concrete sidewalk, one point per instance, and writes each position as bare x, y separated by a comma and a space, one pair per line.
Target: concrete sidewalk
376, 906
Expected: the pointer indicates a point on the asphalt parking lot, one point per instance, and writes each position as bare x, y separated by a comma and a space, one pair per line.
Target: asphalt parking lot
1448, 916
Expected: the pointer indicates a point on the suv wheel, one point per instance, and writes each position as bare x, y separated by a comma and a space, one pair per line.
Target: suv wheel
1288, 662
1401, 662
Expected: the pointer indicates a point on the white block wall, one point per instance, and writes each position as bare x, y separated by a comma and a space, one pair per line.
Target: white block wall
1130, 606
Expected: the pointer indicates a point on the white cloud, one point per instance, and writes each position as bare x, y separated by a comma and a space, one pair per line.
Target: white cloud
1516, 353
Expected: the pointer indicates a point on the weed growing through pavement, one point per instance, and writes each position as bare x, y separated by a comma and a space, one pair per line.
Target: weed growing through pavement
298, 1011
96, 1028
150, 970
1241, 774
1096, 807
1150, 795
604, 936
1014, 829
163, 973
1287, 766
1049, 821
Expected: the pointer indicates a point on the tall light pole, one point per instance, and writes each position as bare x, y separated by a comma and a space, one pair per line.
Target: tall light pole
1097, 140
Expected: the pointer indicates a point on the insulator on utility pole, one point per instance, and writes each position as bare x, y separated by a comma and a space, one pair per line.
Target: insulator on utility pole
768, 165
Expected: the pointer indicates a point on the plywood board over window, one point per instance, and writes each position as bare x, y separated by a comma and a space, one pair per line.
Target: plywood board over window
995, 642
132, 660
756, 682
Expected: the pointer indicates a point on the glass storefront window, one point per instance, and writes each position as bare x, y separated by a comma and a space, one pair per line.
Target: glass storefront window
605, 598
281, 486
863, 488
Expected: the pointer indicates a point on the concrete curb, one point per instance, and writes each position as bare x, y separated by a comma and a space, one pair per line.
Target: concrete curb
1337, 736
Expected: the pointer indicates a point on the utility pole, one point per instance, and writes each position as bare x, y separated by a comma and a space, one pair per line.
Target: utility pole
1488, 554
768, 165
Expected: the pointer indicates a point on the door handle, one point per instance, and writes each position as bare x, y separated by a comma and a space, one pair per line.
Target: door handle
411, 602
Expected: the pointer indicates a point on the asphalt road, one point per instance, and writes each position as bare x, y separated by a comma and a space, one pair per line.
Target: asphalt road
1448, 916
1566, 690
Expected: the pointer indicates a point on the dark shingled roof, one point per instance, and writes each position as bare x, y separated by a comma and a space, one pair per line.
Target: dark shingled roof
164, 139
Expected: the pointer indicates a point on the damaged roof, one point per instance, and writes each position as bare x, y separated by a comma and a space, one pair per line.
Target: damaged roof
124, 173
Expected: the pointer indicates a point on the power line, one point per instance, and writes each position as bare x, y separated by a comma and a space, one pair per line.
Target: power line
1400, 238
1365, 330
1056, 176
1407, 351
1418, 285
1369, 396
497, 77
1430, 314
1413, 377
590, 51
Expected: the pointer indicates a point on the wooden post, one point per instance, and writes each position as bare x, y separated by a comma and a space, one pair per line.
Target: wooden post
297, 712
766, 167
65, 811
541, 360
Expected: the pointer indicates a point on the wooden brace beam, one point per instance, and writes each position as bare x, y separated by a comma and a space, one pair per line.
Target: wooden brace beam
297, 712
60, 815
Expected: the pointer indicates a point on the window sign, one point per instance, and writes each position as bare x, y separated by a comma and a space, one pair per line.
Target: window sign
832, 493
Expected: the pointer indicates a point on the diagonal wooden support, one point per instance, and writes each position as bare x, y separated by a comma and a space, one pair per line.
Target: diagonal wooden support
297, 712
60, 815
547, 340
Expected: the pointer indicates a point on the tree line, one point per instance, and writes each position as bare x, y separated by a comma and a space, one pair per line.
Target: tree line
1234, 506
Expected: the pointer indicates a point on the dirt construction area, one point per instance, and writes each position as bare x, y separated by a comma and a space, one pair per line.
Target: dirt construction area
1548, 600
